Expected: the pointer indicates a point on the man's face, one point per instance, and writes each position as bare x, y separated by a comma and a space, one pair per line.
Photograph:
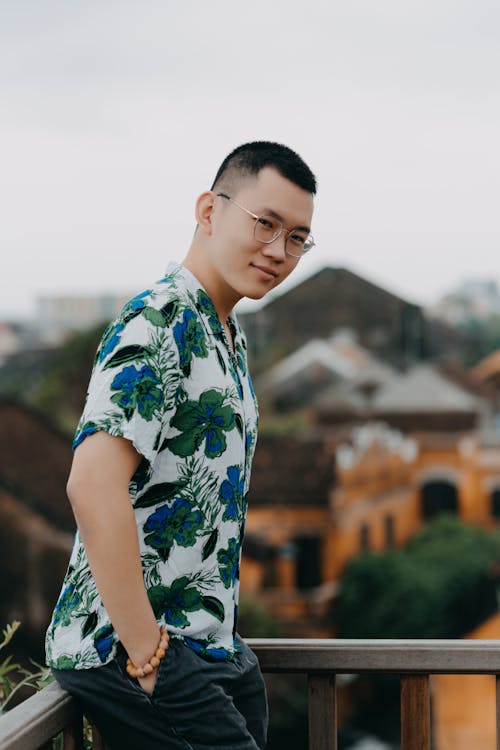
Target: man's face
247, 267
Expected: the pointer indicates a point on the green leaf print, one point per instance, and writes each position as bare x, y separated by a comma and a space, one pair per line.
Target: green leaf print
65, 662
155, 317
128, 354
159, 493
214, 606
239, 423
169, 311
210, 544
221, 362
89, 624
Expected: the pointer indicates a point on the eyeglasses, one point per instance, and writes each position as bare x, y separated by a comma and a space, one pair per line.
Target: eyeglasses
268, 228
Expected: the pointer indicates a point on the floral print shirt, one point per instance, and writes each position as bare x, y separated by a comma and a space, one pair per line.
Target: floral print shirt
165, 378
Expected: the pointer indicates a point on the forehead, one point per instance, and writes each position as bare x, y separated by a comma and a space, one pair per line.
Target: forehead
270, 191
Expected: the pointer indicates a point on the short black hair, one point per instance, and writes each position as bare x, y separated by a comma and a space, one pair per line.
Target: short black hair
250, 158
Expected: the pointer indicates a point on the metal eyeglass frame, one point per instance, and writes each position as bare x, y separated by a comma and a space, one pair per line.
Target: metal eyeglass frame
308, 244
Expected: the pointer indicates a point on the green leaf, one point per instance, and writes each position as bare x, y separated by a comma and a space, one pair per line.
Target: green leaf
186, 443
214, 606
220, 359
65, 662
159, 493
158, 596
89, 624
163, 552
210, 544
131, 315
239, 423
127, 354
169, 311
155, 317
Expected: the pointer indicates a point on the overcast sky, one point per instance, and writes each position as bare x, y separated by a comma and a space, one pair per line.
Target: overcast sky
115, 115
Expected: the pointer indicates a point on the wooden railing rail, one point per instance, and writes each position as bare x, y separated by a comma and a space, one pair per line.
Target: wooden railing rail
32, 724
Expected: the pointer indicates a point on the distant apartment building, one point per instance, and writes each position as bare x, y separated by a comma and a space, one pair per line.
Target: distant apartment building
59, 315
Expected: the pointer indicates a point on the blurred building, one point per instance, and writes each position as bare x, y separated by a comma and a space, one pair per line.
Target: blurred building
36, 522
394, 329
477, 299
57, 316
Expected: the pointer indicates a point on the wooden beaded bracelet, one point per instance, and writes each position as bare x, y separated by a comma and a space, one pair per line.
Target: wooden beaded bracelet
153, 662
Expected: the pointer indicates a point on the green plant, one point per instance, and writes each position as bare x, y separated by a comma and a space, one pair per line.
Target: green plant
13, 676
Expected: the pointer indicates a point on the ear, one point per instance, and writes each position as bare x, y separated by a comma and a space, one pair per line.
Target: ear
204, 208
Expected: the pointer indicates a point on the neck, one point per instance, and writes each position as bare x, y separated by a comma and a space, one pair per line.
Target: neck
223, 297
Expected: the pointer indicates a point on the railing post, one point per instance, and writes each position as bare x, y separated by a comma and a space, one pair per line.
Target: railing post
498, 710
97, 740
322, 711
415, 712
73, 735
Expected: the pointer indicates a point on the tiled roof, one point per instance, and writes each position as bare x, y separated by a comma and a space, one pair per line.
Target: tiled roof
292, 471
423, 389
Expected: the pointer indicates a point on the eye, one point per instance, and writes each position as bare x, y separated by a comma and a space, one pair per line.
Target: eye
266, 223
297, 239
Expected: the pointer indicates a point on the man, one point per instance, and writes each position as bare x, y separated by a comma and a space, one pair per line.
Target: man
144, 632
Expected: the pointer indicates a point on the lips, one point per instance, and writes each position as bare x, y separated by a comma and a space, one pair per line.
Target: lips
266, 270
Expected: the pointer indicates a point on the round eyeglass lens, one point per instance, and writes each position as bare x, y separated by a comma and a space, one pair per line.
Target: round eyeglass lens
267, 228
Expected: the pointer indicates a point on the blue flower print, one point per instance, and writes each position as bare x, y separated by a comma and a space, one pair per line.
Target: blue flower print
231, 493
190, 340
201, 647
110, 339
177, 523
206, 305
68, 601
229, 563
103, 642
82, 432
136, 304
137, 389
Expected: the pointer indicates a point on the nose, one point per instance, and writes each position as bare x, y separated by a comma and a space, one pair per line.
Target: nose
276, 248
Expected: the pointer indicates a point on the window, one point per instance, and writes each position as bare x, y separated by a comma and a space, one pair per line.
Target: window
308, 561
389, 531
495, 503
364, 538
438, 497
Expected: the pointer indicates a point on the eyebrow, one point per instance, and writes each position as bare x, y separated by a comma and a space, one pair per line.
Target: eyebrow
275, 215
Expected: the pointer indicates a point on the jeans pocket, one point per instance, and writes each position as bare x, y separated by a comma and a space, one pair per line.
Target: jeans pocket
166, 668
121, 665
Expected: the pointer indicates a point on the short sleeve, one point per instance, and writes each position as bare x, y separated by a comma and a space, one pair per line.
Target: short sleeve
133, 383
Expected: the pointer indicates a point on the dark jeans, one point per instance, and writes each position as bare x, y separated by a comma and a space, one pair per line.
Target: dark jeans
197, 704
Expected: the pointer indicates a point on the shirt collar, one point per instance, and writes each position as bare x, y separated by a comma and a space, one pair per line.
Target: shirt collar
204, 304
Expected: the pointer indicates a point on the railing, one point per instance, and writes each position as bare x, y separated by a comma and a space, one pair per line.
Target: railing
32, 724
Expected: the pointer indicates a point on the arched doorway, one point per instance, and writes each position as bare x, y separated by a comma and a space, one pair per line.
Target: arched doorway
438, 496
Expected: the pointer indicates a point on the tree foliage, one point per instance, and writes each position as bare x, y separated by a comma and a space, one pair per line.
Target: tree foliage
442, 584
61, 393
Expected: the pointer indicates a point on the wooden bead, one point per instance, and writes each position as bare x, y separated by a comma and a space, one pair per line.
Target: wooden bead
152, 663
